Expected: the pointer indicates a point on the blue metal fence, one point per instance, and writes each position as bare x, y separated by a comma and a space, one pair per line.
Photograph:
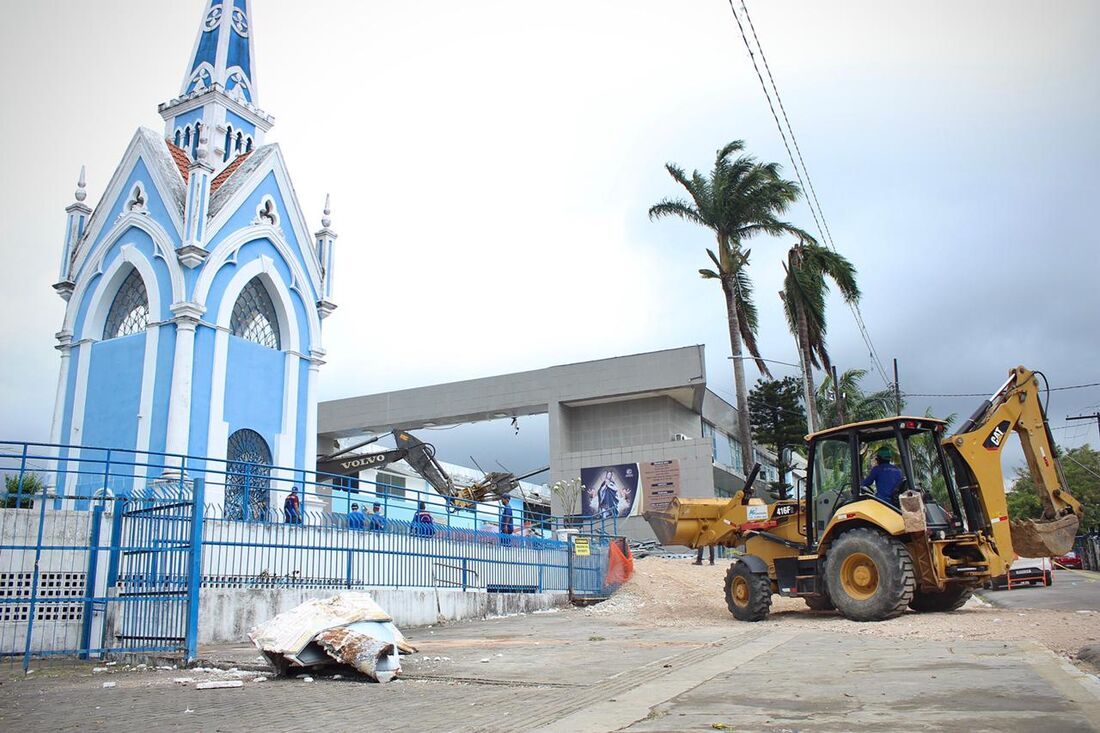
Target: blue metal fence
107, 551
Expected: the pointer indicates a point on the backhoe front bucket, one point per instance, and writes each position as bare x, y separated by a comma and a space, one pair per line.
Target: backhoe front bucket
1044, 539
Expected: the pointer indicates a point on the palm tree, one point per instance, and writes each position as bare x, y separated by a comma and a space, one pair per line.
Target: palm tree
804, 290
859, 405
738, 200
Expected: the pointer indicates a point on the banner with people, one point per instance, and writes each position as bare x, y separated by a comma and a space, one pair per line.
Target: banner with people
610, 491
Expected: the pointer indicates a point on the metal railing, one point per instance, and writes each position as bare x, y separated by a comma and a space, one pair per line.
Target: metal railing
103, 550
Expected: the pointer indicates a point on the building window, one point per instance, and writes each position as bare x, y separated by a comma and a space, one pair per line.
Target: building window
247, 483
391, 484
130, 310
735, 450
254, 316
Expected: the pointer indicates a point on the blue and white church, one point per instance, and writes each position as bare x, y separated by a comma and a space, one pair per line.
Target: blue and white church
195, 292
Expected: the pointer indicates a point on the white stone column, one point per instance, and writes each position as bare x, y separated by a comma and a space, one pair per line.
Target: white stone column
187, 317
315, 363
64, 345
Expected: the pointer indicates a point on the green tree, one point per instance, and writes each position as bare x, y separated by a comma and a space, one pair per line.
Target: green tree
1081, 469
859, 405
738, 200
778, 421
808, 268
18, 497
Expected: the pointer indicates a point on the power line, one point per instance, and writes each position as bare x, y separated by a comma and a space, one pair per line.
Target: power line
986, 394
815, 207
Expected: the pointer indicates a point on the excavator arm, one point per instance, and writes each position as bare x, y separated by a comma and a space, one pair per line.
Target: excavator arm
976, 450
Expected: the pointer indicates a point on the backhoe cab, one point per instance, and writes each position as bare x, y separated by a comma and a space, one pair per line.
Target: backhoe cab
922, 532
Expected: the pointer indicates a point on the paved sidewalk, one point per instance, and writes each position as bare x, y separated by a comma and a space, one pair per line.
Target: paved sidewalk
572, 671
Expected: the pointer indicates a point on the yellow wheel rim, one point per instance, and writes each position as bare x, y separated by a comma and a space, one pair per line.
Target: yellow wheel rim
740, 591
859, 576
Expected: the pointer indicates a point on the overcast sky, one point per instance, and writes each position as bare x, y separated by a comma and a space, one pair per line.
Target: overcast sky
491, 165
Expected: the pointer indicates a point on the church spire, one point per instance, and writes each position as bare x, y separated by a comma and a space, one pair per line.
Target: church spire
218, 95
223, 52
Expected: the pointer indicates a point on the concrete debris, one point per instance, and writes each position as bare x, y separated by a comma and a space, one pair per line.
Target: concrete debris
109, 684
218, 684
307, 678
183, 680
97, 670
260, 679
349, 629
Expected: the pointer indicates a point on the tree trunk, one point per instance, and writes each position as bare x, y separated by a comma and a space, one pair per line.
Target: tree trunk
743, 425
807, 373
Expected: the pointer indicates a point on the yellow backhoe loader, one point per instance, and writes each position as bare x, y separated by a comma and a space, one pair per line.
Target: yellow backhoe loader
944, 532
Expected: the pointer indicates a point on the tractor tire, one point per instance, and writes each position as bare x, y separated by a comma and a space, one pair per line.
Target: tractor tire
819, 603
951, 599
748, 594
869, 575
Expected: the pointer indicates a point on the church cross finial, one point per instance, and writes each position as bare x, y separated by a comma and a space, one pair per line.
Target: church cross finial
81, 194
326, 222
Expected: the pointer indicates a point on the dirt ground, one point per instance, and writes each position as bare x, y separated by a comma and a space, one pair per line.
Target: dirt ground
666, 592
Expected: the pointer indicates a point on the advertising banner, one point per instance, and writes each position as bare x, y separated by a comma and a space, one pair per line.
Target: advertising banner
610, 491
660, 483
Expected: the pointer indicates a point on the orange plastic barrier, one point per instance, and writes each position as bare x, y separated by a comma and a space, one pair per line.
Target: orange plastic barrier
620, 567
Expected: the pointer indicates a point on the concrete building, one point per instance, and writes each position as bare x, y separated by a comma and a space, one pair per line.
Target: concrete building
652, 411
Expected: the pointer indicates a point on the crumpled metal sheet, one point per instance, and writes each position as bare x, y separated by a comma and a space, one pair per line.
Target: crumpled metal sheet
293, 638
364, 653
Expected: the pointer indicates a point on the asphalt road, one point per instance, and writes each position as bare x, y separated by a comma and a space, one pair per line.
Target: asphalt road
1072, 590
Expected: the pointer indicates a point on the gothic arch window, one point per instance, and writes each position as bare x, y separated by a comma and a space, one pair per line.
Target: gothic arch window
177, 138
254, 316
195, 141
187, 137
247, 482
228, 142
248, 145
129, 312
240, 143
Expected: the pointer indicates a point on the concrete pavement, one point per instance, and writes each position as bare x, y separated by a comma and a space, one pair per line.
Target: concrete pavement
572, 671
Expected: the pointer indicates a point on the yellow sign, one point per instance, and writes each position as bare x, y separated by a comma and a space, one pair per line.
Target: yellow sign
581, 548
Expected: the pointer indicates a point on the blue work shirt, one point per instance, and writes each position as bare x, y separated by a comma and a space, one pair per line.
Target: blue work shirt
356, 519
886, 476
377, 522
506, 525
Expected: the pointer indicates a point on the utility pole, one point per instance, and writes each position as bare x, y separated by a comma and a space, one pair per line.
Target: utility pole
897, 388
1094, 416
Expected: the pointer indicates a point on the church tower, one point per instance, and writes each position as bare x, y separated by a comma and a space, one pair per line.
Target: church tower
195, 294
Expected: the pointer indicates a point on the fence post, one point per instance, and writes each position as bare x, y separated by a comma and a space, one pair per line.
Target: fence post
106, 474
90, 582
19, 486
194, 569
34, 583
349, 569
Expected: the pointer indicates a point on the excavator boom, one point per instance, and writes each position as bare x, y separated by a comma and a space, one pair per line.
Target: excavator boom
976, 451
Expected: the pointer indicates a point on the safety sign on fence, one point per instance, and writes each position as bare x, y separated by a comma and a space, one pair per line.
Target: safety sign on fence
581, 547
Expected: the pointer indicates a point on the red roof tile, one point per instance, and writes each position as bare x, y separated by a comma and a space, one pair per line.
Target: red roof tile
229, 170
179, 155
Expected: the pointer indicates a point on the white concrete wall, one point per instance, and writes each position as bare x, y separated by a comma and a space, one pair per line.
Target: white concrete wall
226, 615
62, 574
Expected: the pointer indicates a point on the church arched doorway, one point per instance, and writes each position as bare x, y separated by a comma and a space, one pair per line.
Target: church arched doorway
247, 480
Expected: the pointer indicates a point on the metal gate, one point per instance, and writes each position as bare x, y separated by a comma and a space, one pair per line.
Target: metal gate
587, 568
119, 578
154, 577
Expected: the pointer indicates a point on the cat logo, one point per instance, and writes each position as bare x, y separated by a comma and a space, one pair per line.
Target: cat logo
993, 442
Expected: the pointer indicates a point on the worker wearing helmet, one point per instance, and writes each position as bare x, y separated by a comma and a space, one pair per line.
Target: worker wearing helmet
885, 475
